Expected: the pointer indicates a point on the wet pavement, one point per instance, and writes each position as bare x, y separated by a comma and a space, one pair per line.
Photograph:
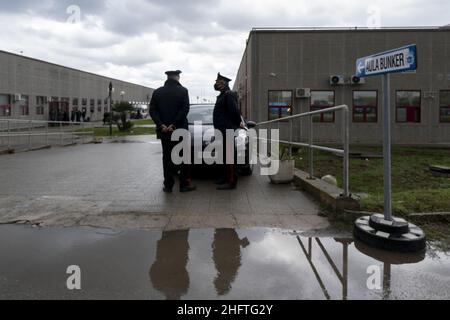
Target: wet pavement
101, 207
211, 264
119, 185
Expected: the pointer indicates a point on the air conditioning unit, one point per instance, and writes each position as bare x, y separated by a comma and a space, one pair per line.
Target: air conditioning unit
336, 80
355, 80
302, 93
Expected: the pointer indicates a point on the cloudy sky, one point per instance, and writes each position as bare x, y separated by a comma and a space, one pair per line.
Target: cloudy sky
137, 40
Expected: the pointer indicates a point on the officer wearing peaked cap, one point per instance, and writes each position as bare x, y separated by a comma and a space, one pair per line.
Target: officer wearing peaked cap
227, 116
169, 108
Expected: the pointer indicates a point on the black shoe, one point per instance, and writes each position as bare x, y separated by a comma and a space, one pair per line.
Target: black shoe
220, 182
167, 190
188, 189
227, 186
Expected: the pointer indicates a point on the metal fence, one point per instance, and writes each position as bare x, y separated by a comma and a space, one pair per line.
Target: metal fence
23, 135
310, 144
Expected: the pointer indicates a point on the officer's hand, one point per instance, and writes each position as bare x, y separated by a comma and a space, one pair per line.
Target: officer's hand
164, 128
242, 125
171, 128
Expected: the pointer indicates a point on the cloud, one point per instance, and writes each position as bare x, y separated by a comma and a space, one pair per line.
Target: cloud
137, 40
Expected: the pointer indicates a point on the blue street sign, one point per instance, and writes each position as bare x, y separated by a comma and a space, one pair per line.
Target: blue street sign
396, 60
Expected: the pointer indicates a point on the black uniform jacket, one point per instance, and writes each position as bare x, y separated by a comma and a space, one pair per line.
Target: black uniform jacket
170, 106
226, 112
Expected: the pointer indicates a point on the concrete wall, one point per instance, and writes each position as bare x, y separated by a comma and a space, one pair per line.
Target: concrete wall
286, 60
21, 75
243, 81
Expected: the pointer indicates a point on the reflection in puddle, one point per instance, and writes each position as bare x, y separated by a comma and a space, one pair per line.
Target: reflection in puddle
168, 273
227, 258
329, 255
388, 258
212, 264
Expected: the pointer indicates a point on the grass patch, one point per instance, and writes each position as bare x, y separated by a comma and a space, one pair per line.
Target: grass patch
143, 122
414, 187
104, 131
438, 234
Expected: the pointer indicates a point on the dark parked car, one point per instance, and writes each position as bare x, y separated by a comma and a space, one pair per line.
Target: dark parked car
204, 113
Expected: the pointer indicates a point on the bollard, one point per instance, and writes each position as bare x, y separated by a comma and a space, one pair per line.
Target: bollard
30, 131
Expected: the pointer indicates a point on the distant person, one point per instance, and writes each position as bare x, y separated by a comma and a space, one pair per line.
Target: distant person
227, 116
83, 115
72, 116
66, 116
169, 108
105, 118
78, 116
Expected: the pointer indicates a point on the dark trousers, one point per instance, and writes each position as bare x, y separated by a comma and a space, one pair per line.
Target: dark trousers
170, 169
229, 171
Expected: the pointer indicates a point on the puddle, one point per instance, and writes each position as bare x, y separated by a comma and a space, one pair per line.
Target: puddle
211, 264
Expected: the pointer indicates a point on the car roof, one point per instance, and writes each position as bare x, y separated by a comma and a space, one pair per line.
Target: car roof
202, 105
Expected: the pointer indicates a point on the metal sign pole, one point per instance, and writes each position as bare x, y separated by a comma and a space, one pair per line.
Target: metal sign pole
386, 231
387, 146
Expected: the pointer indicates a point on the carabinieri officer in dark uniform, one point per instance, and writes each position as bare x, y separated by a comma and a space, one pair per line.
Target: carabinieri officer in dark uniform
227, 116
169, 108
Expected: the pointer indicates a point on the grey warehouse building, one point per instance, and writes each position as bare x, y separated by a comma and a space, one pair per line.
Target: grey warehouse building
290, 71
32, 89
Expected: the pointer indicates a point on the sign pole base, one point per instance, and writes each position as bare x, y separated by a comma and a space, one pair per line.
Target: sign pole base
396, 235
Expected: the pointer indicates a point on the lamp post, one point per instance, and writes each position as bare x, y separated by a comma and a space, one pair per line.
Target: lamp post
148, 106
110, 108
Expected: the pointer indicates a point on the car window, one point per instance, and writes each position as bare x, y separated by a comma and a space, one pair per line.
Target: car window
202, 114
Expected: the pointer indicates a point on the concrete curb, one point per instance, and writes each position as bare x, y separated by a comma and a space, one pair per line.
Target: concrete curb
39, 148
415, 217
430, 217
7, 151
325, 193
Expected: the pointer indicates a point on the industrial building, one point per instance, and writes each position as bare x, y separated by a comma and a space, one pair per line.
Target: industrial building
290, 71
32, 89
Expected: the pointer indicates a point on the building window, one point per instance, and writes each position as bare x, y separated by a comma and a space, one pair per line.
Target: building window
39, 110
280, 104
365, 106
444, 106
322, 100
84, 102
5, 105
40, 102
24, 106
99, 105
408, 106
75, 102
